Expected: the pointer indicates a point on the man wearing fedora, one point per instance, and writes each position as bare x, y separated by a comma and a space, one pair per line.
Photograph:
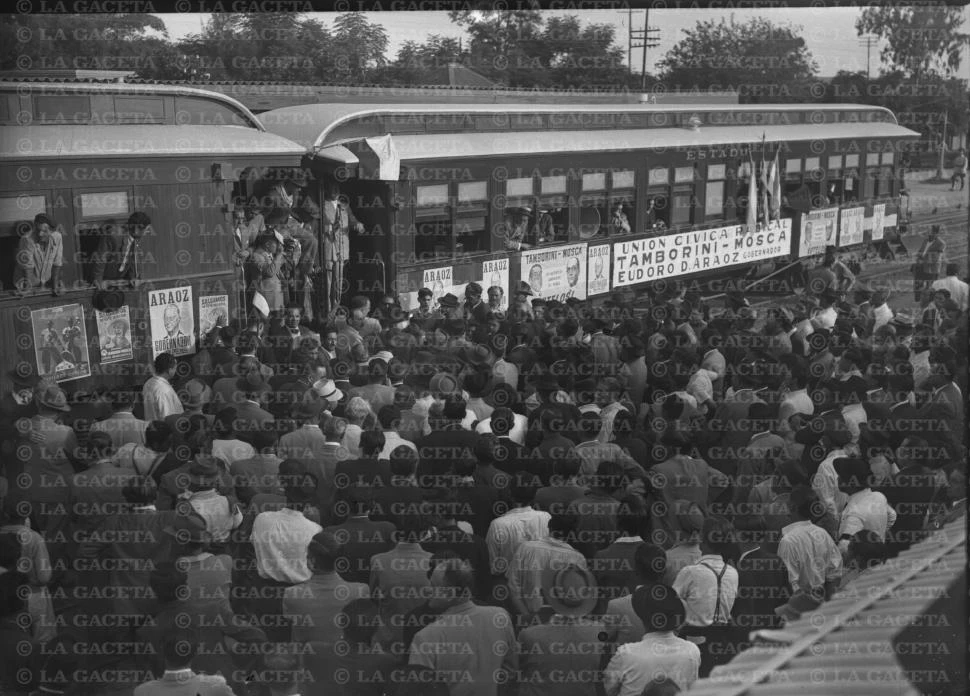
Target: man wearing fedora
251, 417
561, 656
660, 652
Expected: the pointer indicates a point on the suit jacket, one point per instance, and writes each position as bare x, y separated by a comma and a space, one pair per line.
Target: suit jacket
362, 539
762, 586
614, 569
440, 449
252, 420
110, 256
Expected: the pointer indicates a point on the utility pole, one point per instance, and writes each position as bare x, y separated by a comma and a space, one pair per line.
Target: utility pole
645, 38
868, 41
629, 39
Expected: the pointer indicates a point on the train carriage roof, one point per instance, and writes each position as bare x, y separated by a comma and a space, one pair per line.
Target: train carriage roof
896, 629
53, 142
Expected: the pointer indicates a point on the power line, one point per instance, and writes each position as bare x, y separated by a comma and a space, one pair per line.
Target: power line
868, 40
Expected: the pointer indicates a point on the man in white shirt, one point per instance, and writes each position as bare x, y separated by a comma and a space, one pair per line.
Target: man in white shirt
709, 587
532, 558
865, 508
390, 419
161, 399
660, 653
959, 290
521, 523
179, 679
813, 561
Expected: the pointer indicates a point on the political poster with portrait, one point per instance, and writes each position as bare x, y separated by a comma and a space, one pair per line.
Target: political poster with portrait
496, 273
213, 312
61, 343
172, 321
598, 268
878, 221
114, 335
438, 280
818, 231
850, 226
556, 273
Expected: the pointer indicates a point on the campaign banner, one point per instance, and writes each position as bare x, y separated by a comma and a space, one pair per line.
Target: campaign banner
213, 312
878, 221
850, 226
439, 281
818, 231
114, 335
496, 272
172, 321
61, 343
555, 273
683, 253
598, 268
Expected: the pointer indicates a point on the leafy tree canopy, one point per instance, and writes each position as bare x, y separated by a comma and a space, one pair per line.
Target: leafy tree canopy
923, 39
761, 60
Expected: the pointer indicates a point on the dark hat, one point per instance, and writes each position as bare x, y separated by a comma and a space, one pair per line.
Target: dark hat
658, 607
188, 528
853, 470
252, 382
108, 300
473, 289
523, 288
311, 408
51, 396
24, 376
205, 469
477, 354
548, 382
570, 591
448, 300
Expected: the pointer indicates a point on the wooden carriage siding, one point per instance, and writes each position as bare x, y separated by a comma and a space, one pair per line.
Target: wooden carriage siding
491, 143
899, 629
84, 153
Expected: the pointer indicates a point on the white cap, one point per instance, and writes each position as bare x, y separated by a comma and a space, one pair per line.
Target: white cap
260, 303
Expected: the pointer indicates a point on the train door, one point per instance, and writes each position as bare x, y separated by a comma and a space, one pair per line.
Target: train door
368, 263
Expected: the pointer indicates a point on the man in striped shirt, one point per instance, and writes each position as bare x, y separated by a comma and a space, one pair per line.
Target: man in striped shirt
813, 560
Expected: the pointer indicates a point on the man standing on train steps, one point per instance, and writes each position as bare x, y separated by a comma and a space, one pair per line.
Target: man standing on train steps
338, 219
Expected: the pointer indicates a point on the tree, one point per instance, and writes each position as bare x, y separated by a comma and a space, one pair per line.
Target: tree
582, 57
504, 44
762, 61
419, 63
128, 42
923, 40
358, 48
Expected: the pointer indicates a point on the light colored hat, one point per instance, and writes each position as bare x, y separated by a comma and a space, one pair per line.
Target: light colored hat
571, 591
327, 389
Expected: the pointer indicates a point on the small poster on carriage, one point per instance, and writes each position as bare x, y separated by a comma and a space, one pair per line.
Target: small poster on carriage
172, 319
61, 343
496, 273
556, 273
598, 268
818, 231
213, 312
850, 226
114, 335
878, 221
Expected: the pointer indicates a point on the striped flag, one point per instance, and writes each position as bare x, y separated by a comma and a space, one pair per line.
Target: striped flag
752, 197
774, 188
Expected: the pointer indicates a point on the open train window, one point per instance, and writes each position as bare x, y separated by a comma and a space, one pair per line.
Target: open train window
451, 219
682, 198
16, 215
657, 215
99, 212
714, 190
623, 202
593, 210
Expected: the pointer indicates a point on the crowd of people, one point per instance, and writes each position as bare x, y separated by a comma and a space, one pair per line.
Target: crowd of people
473, 500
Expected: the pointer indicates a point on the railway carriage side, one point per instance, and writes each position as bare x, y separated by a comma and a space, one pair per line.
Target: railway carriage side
636, 196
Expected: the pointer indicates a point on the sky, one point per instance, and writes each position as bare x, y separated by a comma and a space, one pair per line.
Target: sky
829, 32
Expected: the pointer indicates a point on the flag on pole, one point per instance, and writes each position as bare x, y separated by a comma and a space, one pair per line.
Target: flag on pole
260, 303
752, 197
774, 188
763, 184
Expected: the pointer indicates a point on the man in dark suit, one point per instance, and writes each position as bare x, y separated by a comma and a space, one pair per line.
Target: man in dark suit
251, 418
762, 586
361, 538
447, 443
118, 260
359, 479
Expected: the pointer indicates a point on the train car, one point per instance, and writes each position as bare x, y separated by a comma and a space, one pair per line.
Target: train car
581, 201
88, 155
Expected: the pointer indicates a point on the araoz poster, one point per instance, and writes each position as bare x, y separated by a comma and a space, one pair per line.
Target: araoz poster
61, 342
598, 268
496, 273
172, 318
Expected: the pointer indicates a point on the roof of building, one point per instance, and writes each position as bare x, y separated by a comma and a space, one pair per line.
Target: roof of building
862, 640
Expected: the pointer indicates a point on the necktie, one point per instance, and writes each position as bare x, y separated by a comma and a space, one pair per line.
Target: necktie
124, 258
